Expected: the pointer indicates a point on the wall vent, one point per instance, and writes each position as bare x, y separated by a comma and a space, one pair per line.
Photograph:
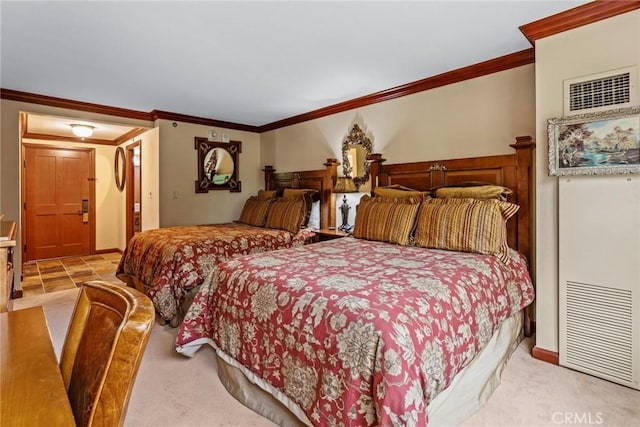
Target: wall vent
612, 90
598, 331
615, 89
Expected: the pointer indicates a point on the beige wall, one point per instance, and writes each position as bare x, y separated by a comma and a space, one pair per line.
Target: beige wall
179, 203
605, 45
476, 117
10, 155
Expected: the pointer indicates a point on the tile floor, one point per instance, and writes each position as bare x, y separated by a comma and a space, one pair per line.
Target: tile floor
51, 275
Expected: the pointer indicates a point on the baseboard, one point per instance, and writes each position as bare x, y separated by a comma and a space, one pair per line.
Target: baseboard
106, 251
545, 355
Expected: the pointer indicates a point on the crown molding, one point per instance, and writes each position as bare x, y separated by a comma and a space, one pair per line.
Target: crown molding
166, 115
576, 17
52, 101
132, 134
491, 66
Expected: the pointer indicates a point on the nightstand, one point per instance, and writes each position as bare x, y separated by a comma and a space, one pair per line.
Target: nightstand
325, 234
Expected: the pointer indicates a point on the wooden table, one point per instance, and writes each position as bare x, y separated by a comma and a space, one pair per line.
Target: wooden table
31, 385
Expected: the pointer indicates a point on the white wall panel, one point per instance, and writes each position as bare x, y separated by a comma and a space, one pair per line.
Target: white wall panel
599, 276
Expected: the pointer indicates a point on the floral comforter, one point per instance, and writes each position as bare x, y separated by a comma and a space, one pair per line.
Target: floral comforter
173, 260
355, 332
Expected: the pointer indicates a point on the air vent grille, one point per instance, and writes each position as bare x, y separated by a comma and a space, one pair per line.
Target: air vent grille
611, 90
599, 330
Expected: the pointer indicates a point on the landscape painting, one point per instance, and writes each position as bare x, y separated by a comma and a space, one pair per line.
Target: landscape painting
602, 143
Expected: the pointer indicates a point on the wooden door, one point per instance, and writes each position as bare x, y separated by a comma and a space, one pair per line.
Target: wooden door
58, 202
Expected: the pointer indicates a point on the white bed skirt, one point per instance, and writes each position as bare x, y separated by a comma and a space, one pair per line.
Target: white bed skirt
468, 392
473, 386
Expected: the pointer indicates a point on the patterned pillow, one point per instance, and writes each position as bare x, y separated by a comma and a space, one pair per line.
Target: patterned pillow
286, 214
415, 197
307, 195
292, 193
255, 211
466, 225
387, 221
264, 194
398, 192
483, 191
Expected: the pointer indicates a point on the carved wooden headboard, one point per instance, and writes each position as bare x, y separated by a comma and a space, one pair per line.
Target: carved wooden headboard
512, 170
322, 180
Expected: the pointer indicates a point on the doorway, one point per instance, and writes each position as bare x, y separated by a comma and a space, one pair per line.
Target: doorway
58, 202
134, 189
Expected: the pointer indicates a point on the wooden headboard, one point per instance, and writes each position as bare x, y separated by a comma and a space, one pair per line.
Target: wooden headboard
322, 180
512, 170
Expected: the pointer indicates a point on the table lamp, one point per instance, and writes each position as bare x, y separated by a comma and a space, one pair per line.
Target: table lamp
345, 184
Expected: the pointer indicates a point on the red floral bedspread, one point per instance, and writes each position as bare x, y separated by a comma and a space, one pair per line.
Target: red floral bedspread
354, 332
170, 261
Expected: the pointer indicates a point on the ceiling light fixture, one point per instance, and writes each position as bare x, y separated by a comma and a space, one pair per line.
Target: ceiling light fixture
82, 131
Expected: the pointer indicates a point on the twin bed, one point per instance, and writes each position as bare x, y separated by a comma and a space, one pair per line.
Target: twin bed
170, 264
385, 328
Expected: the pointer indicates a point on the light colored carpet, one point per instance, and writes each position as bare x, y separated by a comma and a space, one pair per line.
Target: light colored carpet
171, 390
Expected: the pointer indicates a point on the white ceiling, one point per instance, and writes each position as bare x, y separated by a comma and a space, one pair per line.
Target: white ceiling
248, 62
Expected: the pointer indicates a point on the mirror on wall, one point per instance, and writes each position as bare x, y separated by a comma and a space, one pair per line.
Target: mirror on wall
119, 168
356, 147
218, 165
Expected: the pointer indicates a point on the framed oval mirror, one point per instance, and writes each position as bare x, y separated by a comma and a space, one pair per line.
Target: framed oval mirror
356, 147
218, 164
120, 168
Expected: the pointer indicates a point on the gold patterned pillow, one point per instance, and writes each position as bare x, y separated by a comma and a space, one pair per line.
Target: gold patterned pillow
286, 214
466, 225
416, 197
267, 194
486, 191
398, 192
386, 221
292, 193
255, 211
306, 194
